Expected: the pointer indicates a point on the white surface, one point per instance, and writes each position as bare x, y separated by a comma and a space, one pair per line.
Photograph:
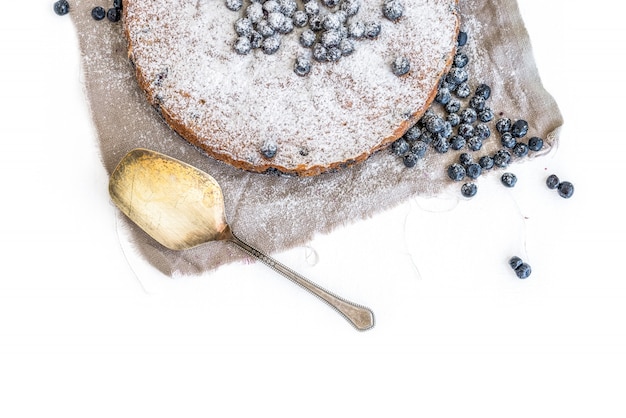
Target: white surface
87, 332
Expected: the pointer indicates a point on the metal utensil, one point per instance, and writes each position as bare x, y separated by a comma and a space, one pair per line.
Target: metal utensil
182, 207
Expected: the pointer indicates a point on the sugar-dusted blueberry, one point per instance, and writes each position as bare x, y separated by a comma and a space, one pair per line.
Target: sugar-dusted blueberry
300, 19
288, 7
457, 75
453, 118
312, 8
443, 96
520, 149
320, 52
242, 45
474, 170
433, 122
485, 115
330, 38
508, 179
482, 130
265, 29
269, 149
114, 14
98, 13
351, 7
410, 160
333, 54
419, 148
302, 65
413, 133
456, 172
463, 90
234, 5
453, 105
271, 6
565, 189
483, 90
461, 39
254, 12
507, 140
446, 132
256, 40
503, 125
515, 262
523, 270
346, 46
372, 30
307, 38
61, 7
552, 181
466, 159
271, 44
356, 29
535, 143
502, 158
243, 26
460, 59
486, 162
440, 144
457, 142
519, 128
330, 3
393, 9
400, 147
478, 103
468, 115
466, 130
469, 189
401, 66
117, 3
427, 136
331, 21
474, 143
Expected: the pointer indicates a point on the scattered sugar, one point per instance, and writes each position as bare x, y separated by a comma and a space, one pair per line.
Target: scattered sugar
236, 103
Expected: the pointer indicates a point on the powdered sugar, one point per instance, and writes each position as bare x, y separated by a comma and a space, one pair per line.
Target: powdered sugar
233, 104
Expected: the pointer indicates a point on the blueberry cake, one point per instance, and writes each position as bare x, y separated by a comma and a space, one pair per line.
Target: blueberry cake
295, 86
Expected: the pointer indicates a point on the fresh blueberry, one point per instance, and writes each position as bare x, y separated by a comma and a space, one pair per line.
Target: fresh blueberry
346, 46
400, 147
475, 143
457, 142
440, 144
468, 115
255, 12
356, 30
465, 130
351, 7
243, 26
482, 130
535, 143
320, 53
474, 170
519, 128
469, 190
234, 5
288, 7
302, 66
114, 14
460, 59
315, 23
501, 158
478, 103
483, 91
508, 179
331, 21
515, 262
372, 30
443, 96
307, 38
465, 158
566, 189
117, 3
401, 66
520, 149
242, 45
486, 162
485, 115
413, 133
271, 44
523, 271
330, 38
503, 125
434, 123
410, 160
300, 19
507, 140
552, 181
269, 149
461, 39
419, 148
98, 13
312, 8
456, 172
393, 9
61, 7
427, 137
457, 76
453, 105
463, 90
454, 119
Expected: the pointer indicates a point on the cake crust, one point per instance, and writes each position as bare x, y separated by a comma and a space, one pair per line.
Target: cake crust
232, 105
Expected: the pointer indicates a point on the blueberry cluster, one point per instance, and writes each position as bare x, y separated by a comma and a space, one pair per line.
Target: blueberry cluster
522, 269
461, 120
113, 14
564, 188
327, 28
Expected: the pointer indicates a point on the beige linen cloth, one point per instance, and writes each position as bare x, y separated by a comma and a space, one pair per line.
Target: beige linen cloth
277, 213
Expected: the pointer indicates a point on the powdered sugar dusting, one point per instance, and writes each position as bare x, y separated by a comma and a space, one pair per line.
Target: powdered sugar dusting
234, 104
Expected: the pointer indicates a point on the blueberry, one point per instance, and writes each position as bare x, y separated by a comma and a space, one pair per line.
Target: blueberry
400, 66
300, 19
465, 130
483, 91
461, 39
515, 262
419, 148
434, 123
468, 115
256, 40
486, 162
98, 13
508, 179
255, 12
463, 90
453, 105
330, 38
393, 9
61, 7
351, 7
485, 115
501, 158
503, 125
346, 46
507, 140
372, 30
478, 103
400, 147
457, 76
331, 21
460, 59
234, 5
456, 172
482, 131
520, 149
271, 6
269, 149
535, 143
441, 144
475, 143
410, 160
523, 271
312, 8
242, 45
465, 158
552, 181
302, 66
330, 3
288, 7
566, 189
413, 133
519, 128
427, 137
474, 170
457, 142
271, 44
453, 119
243, 26
356, 30
307, 38
114, 14
443, 96
117, 3
469, 190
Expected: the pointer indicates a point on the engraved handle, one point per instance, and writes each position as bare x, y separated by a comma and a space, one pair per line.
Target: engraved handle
360, 317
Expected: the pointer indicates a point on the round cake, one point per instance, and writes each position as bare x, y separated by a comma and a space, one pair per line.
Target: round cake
299, 87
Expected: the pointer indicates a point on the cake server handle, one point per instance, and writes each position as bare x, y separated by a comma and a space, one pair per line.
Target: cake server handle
361, 317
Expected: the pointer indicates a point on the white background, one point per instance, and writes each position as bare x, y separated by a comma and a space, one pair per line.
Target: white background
87, 329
